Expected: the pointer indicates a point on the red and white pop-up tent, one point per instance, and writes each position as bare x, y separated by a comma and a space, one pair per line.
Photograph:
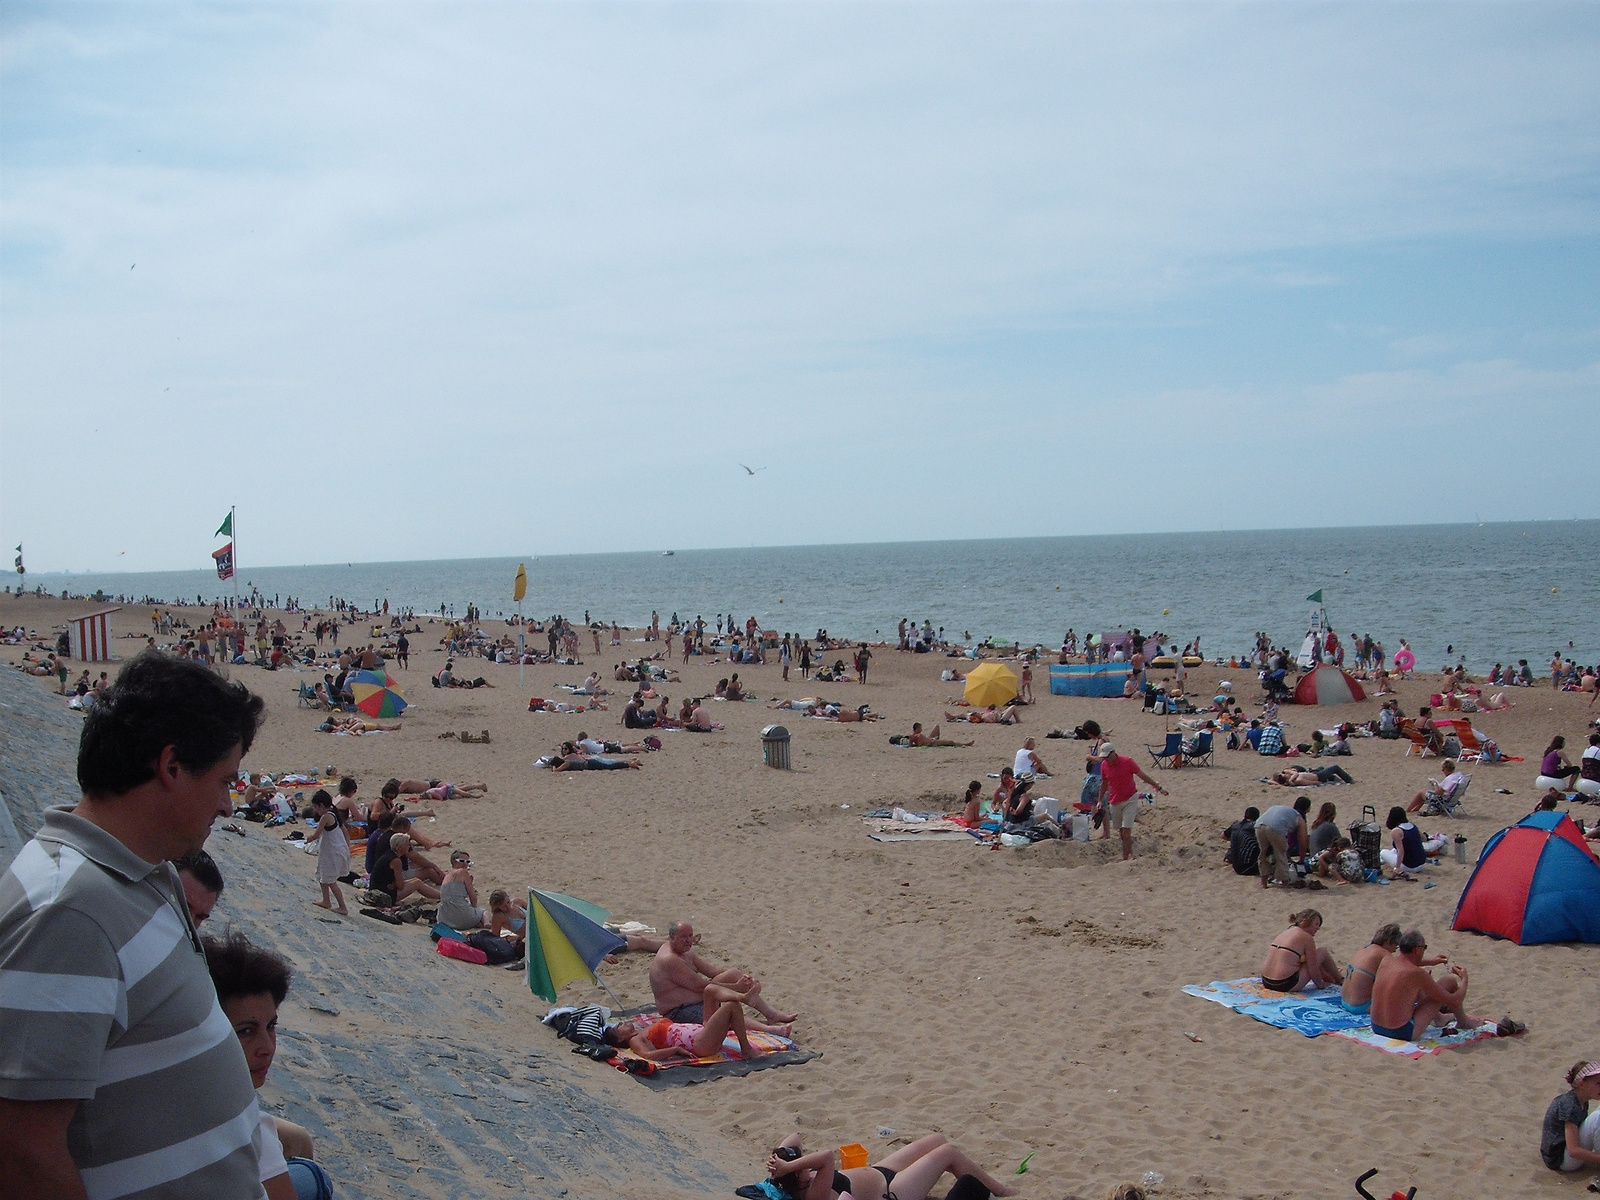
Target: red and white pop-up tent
1328, 685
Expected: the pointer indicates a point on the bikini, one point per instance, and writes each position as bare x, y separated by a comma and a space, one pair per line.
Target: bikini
1360, 1010
1286, 984
841, 1182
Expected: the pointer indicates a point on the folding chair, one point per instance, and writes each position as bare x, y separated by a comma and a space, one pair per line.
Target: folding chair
1170, 753
308, 697
1200, 753
1447, 804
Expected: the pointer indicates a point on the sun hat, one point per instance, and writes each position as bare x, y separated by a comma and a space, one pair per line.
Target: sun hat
1592, 1069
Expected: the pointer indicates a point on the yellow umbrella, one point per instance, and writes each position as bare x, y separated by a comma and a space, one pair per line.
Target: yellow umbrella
990, 683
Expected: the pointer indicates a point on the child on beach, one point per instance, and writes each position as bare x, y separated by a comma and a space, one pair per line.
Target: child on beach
1570, 1139
333, 850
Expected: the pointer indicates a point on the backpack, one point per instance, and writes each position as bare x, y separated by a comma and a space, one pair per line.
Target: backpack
496, 949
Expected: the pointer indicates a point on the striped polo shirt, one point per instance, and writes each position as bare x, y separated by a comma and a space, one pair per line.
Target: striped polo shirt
105, 998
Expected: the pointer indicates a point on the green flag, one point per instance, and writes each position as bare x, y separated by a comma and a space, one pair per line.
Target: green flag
227, 526
1315, 597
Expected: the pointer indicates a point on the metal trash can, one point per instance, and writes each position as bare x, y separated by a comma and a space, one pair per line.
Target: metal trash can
775, 747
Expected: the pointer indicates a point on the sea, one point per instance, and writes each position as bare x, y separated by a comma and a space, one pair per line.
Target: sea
1482, 593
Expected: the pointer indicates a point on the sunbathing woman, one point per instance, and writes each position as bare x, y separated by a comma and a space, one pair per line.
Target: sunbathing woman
444, 790
664, 1040
1362, 970
1293, 958
355, 726
987, 716
910, 1172
932, 738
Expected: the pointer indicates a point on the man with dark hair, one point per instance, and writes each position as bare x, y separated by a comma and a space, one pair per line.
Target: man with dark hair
110, 1079
202, 884
1244, 855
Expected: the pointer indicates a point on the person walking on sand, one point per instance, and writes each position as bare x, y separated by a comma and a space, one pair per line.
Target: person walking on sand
333, 850
1117, 774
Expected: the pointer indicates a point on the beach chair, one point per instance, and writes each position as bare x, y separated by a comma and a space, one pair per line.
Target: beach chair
1471, 750
1419, 742
1170, 753
308, 697
1447, 804
1199, 755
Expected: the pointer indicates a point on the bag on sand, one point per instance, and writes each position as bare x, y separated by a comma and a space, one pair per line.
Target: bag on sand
496, 950
451, 948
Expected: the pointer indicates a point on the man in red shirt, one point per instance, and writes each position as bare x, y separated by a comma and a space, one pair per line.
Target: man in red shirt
1117, 793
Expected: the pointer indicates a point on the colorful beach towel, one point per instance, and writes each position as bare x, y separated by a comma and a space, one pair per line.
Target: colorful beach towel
1308, 1013
779, 1052
1313, 1013
1430, 1044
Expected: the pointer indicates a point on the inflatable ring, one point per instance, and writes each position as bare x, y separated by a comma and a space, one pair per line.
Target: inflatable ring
1405, 660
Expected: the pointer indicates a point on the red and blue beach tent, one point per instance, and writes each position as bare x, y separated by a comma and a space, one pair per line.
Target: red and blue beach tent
1535, 882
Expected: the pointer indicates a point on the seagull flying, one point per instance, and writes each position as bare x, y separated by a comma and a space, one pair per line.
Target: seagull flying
748, 471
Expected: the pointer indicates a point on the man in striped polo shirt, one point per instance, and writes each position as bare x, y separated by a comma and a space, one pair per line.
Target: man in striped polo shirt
119, 1074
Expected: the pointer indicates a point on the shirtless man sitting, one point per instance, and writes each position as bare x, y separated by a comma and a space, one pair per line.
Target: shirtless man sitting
679, 977
1406, 998
932, 738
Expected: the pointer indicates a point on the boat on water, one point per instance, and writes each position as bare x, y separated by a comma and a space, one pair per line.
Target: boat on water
668, 553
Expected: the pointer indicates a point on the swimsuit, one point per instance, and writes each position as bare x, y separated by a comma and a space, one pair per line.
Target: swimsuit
1404, 1032
1360, 1010
1287, 983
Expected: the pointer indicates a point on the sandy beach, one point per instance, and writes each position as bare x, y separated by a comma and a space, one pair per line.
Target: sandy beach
1021, 1001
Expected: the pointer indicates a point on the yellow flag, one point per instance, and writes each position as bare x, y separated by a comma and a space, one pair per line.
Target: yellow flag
520, 588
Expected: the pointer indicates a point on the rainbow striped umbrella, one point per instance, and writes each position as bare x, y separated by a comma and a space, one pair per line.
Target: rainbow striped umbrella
377, 693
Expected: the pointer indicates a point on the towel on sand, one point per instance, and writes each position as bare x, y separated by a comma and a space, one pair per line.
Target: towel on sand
1318, 1011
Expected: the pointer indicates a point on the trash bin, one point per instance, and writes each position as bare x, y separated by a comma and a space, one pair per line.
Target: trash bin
775, 747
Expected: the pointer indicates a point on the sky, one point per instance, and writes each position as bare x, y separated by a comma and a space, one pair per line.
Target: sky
412, 281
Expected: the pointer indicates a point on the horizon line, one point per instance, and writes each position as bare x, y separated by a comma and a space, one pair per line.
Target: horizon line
349, 563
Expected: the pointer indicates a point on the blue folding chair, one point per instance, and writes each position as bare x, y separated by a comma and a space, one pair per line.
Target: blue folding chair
1199, 755
1172, 751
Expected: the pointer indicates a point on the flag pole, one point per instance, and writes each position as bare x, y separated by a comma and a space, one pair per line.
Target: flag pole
233, 526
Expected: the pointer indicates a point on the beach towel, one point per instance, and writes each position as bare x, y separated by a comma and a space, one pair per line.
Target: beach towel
1318, 1011
781, 1052
1433, 1042
1308, 1013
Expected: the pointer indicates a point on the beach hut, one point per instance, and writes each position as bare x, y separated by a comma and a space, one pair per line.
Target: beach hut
1535, 882
1328, 685
1092, 679
91, 635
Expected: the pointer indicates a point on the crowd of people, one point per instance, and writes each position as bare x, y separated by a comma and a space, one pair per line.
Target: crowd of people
144, 806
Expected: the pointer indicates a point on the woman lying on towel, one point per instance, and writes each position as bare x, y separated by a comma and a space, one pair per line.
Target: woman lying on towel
908, 1174
664, 1040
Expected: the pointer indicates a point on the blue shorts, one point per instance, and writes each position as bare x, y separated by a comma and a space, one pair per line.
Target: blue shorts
1360, 1010
1404, 1033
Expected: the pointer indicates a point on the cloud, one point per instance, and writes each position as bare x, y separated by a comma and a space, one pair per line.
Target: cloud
508, 235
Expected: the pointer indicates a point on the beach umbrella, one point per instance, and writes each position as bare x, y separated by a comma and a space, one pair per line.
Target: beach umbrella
377, 693
566, 942
990, 683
